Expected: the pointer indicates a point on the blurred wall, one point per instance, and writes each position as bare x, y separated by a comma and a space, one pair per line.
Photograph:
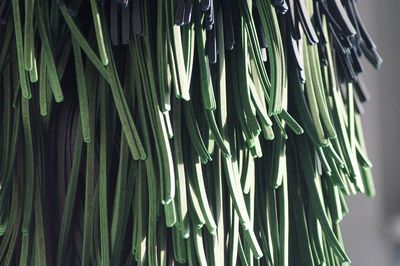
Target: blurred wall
368, 229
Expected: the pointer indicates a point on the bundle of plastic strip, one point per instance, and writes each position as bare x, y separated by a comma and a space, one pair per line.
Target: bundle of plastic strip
163, 132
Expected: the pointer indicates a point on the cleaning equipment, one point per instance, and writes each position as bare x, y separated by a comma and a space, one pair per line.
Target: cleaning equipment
163, 132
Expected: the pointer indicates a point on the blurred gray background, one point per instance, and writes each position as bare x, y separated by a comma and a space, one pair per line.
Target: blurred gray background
372, 229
